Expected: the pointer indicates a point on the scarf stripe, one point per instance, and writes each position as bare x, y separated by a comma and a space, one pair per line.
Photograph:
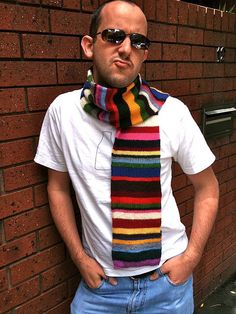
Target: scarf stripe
135, 168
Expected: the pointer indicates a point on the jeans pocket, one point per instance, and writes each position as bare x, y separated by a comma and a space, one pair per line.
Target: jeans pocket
176, 284
98, 287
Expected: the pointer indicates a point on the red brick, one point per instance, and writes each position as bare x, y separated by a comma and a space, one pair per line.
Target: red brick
232, 161
3, 280
176, 87
223, 84
44, 302
217, 20
172, 12
73, 284
182, 12
9, 46
160, 71
212, 38
39, 98
189, 70
179, 182
184, 194
66, 22
190, 100
17, 202
230, 55
58, 274
17, 249
220, 165
203, 54
227, 150
27, 222
48, 46
71, 4
63, 308
23, 18
201, 86
187, 220
161, 11
223, 223
16, 152
225, 21
230, 69
210, 18
201, 18
72, 72
232, 23
52, 3
12, 100
27, 73
189, 35
162, 33
88, 5
40, 195
172, 52
192, 14
19, 294
48, 236
155, 52
213, 70
22, 176
37, 263
150, 9
29, 1
17, 126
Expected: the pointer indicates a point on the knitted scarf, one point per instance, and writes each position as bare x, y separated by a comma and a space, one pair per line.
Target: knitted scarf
135, 167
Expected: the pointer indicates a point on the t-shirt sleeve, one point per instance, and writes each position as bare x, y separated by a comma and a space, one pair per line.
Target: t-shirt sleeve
193, 154
49, 152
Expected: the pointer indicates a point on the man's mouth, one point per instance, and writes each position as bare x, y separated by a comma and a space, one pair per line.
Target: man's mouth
122, 63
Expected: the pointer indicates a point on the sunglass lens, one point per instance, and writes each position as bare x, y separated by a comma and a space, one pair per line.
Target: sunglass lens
113, 35
139, 41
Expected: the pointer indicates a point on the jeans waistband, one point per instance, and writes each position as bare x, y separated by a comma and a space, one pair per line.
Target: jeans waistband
136, 277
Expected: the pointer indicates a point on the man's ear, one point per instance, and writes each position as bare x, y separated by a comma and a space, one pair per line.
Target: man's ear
145, 55
87, 45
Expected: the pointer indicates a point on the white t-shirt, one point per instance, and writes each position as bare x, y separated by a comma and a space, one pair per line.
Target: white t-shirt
73, 141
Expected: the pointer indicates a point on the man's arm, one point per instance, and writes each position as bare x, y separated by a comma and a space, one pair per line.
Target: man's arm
63, 214
205, 209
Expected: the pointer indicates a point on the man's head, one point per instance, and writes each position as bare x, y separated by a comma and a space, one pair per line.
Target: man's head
117, 56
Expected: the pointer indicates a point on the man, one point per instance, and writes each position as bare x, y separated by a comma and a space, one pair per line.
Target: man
115, 140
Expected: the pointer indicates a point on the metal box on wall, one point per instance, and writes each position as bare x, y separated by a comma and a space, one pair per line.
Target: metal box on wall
218, 120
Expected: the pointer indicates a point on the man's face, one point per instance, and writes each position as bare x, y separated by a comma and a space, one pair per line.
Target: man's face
117, 65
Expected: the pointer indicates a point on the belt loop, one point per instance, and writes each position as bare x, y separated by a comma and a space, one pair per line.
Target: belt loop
160, 273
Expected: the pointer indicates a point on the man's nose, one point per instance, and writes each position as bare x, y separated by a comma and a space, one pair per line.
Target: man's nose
125, 47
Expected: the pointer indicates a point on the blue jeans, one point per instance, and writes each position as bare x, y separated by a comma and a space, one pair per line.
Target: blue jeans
140, 296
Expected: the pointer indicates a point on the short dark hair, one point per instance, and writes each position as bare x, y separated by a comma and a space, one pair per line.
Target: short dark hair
96, 17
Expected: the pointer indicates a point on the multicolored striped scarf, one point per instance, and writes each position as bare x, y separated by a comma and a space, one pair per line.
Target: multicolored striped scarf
135, 167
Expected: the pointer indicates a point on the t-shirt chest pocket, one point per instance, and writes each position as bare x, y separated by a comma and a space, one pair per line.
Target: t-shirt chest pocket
103, 152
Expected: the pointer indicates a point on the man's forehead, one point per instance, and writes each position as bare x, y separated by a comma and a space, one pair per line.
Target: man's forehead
120, 6
121, 10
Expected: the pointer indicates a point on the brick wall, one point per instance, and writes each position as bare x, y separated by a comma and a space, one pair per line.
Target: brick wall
40, 57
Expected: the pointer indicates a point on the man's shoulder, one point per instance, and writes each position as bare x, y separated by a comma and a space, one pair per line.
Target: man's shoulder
174, 107
66, 101
67, 97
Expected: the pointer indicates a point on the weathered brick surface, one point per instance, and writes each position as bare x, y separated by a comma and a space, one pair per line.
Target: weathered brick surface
14, 250
27, 222
40, 58
12, 100
16, 202
15, 152
9, 46
34, 265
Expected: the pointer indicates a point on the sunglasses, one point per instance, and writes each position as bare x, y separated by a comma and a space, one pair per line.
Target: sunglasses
117, 36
